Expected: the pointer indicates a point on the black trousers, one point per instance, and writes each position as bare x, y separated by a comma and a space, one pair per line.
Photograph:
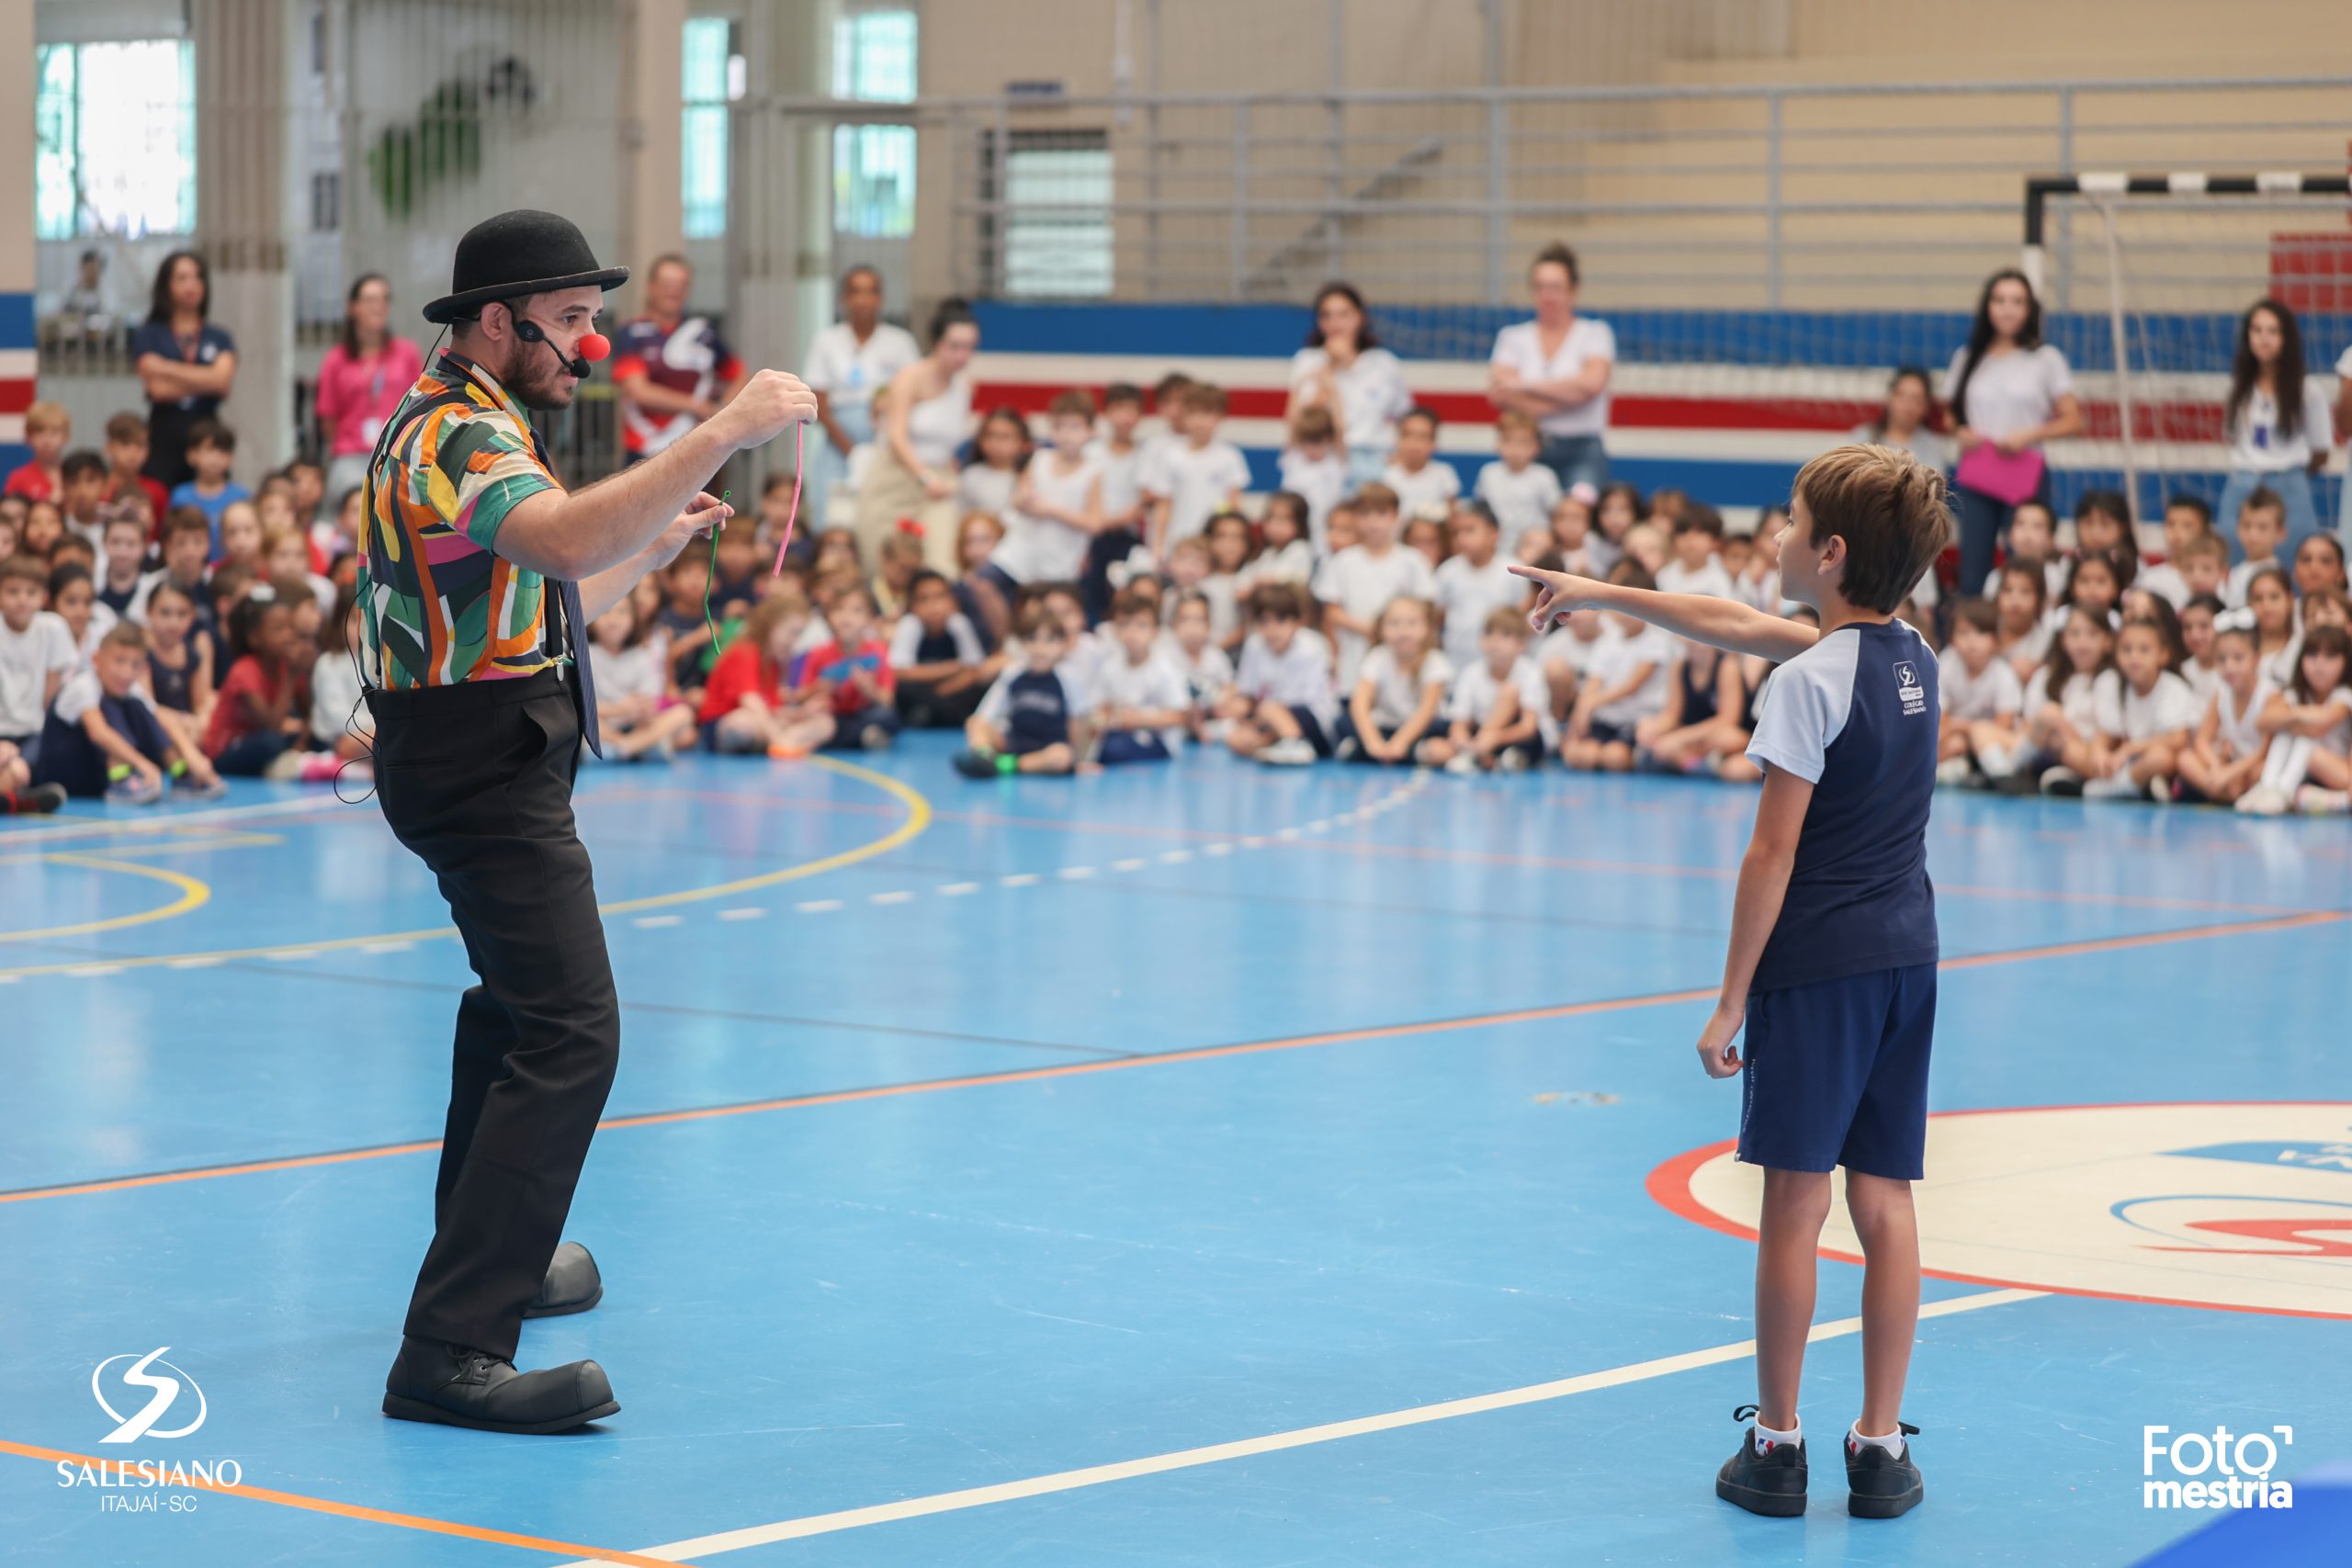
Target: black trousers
477, 780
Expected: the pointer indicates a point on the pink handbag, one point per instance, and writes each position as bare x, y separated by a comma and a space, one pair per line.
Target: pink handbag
2007, 477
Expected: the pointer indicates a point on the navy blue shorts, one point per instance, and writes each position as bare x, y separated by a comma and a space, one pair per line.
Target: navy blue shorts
1124, 746
1838, 1074
1605, 734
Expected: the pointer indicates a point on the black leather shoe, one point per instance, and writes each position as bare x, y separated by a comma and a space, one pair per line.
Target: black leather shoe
458, 1386
1881, 1485
573, 1284
1771, 1482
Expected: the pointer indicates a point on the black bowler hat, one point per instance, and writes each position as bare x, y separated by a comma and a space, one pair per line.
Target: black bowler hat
516, 253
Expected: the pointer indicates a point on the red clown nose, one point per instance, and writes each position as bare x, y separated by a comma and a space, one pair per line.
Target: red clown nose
594, 346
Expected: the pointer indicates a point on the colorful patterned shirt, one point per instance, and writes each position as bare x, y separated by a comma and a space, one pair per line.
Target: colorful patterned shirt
438, 605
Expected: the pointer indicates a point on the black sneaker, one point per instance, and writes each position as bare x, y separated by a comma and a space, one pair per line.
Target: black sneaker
1770, 1483
975, 764
1881, 1485
39, 800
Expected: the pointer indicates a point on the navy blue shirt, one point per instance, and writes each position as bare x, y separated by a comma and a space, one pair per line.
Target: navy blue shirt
1033, 710
170, 420
1855, 714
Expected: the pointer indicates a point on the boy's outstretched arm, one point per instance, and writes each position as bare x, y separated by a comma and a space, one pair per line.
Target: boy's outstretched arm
1763, 882
1701, 618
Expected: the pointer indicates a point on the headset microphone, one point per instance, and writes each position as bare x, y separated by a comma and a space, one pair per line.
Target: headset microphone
591, 347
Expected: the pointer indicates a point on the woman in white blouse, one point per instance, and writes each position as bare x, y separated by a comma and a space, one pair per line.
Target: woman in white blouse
1556, 368
2275, 421
848, 363
2008, 392
1344, 368
924, 413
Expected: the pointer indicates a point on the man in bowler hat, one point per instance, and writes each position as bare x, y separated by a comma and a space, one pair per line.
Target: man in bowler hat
480, 573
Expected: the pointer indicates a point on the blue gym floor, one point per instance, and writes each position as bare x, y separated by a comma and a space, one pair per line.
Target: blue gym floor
974, 1141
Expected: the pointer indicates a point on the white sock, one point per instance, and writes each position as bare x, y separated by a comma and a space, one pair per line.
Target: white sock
1768, 1439
1856, 1437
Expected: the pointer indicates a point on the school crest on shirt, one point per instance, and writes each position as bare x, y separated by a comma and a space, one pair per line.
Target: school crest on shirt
1907, 687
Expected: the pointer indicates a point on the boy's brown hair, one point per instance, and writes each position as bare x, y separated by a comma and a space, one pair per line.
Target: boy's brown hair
1206, 396
1507, 622
1036, 616
1130, 603
1374, 497
47, 415
1278, 601
1072, 403
126, 427
2204, 545
26, 569
1890, 508
1979, 615
187, 520
211, 432
1313, 422
1517, 421
125, 634
1631, 573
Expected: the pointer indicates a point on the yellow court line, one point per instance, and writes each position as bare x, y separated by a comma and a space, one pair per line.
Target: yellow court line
703, 1547
192, 844
918, 819
194, 895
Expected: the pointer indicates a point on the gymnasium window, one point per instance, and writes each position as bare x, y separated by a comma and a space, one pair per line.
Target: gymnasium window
712, 76
874, 165
1058, 215
113, 139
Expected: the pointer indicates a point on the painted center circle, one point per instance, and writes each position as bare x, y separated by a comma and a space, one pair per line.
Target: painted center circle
2240, 1207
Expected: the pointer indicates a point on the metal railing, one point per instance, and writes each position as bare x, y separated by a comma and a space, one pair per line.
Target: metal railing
1816, 195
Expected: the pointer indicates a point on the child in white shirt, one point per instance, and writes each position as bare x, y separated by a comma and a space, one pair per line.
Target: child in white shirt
1057, 503
1188, 482
1116, 452
1981, 694
1141, 702
2224, 757
1357, 583
2262, 522
1280, 708
1625, 683
1697, 534
1285, 554
1521, 492
2061, 701
986, 484
1498, 715
1473, 581
1398, 691
1314, 469
1424, 487
1206, 668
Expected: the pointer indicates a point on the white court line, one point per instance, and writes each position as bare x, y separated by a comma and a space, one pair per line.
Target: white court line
900, 896
1075, 873
1176, 857
957, 889
150, 826
1018, 879
1218, 1453
745, 914
1129, 864
819, 906
654, 922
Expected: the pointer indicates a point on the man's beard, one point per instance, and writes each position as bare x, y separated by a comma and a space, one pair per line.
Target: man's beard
536, 379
